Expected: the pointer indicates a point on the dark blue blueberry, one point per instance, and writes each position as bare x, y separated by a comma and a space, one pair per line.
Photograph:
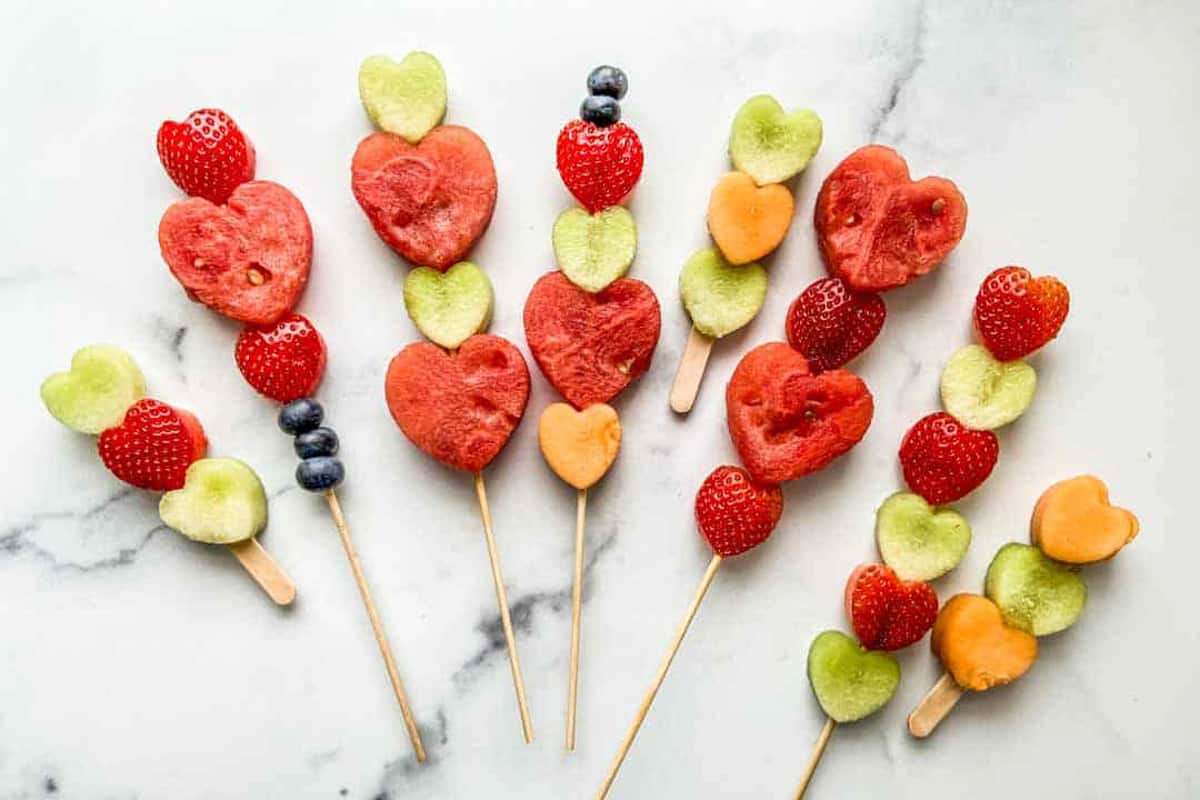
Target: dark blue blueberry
607, 81
301, 415
317, 442
600, 110
320, 473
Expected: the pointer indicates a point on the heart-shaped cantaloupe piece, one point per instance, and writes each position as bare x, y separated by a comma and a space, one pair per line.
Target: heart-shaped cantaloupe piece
406, 97
1074, 522
579, 446
772, 145
977, 648
449, 307
747, 221
93, 395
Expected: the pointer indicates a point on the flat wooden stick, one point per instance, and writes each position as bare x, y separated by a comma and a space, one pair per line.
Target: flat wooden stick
266, 573
690, 372
514, 661
934, 707
815, 758
702, 590
576, 606
389, 663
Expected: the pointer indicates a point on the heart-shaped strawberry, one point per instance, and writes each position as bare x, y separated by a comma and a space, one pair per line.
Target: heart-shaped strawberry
284, 361
430, 202
886, 612
734, 513
460, 407
878, 229
787, 422
590, 346
600, 166
248, 259
944, 460
1016, 313
153, 447
830, 324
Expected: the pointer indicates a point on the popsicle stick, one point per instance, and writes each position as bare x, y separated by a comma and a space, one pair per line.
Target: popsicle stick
702, 590
514, 661
389, 663
690, 372
815, 758
266, 573
576, 604
934, 707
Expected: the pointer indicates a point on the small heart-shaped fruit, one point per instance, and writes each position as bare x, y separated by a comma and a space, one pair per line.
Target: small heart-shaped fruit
248, 259
918, 541
461, 408
591, 346
448, 307
734, 512
95, 393
1074, 522
878, 229
430, 202
593, 250
221, 502
977, 648
284, 361
207, 155
719, 297
1016, 314
830, 324
747, 221
886, 612
772, 145
944, 460
154, 445
850, 683
786, 422
406, 97
579, 446
1034, 593
600, 166
983, 393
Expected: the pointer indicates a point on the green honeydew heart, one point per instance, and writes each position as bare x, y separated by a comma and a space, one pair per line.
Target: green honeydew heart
1034, 593
593, 250
771, 145
918, 541
720, 297
406, 97
221, 502
449, 307
92, 396
850, 683
983, 393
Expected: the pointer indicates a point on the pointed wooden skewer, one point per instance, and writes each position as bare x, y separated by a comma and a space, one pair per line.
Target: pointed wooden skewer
702, 590
265, 571
514, 661
691, 371
576, 607
934, 707
389, 663
815, 758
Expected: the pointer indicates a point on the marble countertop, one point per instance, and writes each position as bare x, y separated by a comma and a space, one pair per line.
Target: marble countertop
137, 664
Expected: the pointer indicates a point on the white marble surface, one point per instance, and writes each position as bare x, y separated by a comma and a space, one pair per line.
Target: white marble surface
134, 663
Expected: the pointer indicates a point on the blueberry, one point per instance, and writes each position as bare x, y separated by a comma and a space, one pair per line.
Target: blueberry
600, 110
301, 415
317, 442
607, 81
320, 473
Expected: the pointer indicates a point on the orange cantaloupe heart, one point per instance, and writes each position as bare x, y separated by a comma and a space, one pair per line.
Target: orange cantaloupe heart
579, 446
976, 647
748, 221
1074, 522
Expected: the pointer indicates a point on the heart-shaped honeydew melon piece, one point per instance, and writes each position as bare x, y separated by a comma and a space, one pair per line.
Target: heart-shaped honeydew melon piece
719, 297
1034, 593
406, 97
222, 501
771, 145
593, 250
449, 307
983, 393
92, 396
918, 541
850, 683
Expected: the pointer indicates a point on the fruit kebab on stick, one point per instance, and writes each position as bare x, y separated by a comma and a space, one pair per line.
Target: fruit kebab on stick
429, 191
244, 249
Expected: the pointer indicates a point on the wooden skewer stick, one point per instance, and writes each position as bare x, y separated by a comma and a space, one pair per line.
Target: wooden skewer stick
266, 573
389, 663
702, 590
690, 372
576, 607
815, 758
514, 661
934, 707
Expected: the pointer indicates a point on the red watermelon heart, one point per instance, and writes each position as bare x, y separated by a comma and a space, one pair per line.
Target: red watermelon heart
591, 346
787, 422
459, 407
430, 202
248, 259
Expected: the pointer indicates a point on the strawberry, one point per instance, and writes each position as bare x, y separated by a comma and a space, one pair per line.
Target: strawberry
207, 155
886, 612
943, 460
600, 166
1016, 313
153, 447
734, 513
830, 324
284, 361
